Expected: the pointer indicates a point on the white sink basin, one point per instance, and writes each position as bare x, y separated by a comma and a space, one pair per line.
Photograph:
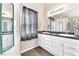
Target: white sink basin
46, 32
69, 35
50, 33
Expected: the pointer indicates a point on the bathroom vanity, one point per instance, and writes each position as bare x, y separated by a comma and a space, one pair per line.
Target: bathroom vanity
59, 44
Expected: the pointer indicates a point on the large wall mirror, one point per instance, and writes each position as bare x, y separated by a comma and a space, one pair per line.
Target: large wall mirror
6, 26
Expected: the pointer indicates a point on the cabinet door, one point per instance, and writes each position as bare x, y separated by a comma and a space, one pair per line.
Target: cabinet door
48, 43
58, 48
45, 42
71, 49
6, 39
40, 40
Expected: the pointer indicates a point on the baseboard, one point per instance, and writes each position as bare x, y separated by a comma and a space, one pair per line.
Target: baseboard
28, 49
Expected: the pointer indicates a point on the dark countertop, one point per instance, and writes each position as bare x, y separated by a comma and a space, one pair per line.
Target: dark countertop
57, 34
7, 33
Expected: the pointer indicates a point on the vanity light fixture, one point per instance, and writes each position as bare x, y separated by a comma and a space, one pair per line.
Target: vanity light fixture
56, 11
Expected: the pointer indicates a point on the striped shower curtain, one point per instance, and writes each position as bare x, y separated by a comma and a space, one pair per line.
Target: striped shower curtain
29, 24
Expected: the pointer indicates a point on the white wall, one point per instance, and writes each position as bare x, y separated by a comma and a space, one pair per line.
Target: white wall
14, 51
26, 45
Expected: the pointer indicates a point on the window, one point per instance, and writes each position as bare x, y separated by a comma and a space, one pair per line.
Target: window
29, 24
4, 26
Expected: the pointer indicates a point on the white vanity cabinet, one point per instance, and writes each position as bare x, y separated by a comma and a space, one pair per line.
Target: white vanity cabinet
59, 46
45, 41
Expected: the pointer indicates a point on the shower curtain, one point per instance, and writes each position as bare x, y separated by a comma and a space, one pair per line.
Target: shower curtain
29, 24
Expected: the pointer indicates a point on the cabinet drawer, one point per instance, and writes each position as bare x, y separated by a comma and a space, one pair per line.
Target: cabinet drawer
48, 43
70, 53
66, 53
47, 40
72, 47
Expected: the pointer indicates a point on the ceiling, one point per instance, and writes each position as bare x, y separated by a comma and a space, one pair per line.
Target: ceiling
71, 13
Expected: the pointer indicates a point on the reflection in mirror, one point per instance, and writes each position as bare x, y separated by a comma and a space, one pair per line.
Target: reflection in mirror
7, 26
66, 21
65, 24
59, 24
